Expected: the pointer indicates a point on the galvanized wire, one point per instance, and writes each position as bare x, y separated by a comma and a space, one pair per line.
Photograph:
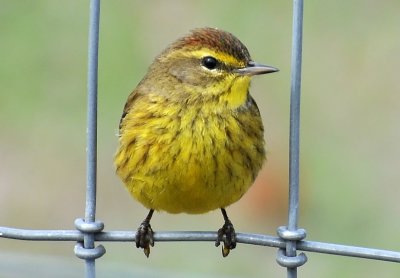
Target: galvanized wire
91, 159
288, 257
294, 139
167, 236
87, 250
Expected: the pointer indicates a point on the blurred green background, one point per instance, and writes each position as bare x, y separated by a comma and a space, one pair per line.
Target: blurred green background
349, 132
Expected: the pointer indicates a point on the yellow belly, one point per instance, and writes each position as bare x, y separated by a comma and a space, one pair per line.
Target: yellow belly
191, 160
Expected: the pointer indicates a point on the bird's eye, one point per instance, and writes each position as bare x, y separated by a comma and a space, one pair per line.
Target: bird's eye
209, 62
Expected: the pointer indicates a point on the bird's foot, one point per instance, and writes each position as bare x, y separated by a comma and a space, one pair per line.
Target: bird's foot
144, 235
227, 235
144, 238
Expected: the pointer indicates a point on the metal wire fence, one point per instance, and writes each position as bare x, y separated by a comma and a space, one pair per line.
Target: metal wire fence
290, 238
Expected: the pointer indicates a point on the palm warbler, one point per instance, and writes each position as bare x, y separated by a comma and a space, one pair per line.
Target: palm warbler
191, 136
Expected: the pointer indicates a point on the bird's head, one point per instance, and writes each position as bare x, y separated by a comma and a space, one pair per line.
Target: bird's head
208, 63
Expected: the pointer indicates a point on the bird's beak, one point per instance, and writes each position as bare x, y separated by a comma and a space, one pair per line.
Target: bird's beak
254, 68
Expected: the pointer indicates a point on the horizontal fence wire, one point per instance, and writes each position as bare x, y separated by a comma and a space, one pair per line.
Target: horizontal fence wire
245, 238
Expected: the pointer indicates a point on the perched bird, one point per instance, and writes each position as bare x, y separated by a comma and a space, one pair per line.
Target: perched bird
191, 137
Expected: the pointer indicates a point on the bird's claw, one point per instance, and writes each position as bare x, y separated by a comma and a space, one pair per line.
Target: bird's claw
144, 238
227, 235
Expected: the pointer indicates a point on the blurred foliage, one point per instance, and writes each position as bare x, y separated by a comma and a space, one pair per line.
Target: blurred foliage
349, 136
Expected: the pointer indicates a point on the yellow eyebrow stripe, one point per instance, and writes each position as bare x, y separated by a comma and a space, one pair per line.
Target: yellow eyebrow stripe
221, 56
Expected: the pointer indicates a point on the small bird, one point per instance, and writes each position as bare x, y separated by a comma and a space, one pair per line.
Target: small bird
191, 139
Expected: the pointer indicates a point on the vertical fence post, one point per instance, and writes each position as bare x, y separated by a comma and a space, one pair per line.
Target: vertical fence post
91, 162
89, 226
288, 258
